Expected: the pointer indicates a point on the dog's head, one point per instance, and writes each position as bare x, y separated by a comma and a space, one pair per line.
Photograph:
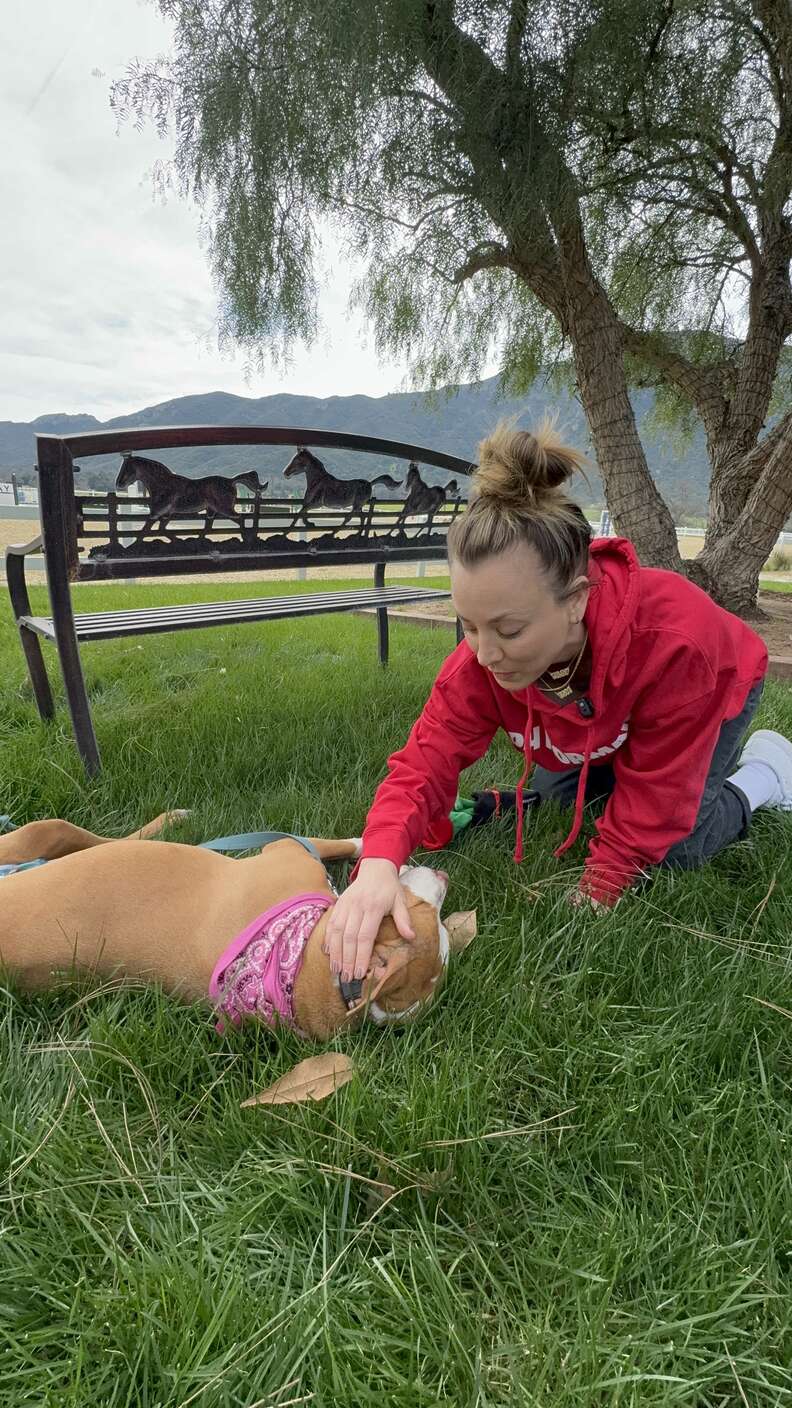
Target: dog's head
407, 974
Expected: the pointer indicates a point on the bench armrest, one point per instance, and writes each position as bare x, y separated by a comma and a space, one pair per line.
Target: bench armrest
22, 549
15, 555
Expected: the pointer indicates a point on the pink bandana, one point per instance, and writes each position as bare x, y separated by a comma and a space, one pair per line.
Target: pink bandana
256, 973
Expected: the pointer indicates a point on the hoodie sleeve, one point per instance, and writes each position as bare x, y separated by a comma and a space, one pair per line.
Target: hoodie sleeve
660, 780
455, 729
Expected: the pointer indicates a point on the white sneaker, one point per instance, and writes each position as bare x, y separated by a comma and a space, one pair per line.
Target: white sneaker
767, 746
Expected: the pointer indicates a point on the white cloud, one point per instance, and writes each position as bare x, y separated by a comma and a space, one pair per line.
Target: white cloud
107, 303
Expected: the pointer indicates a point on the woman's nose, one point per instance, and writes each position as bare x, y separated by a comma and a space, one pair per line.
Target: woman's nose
488, 653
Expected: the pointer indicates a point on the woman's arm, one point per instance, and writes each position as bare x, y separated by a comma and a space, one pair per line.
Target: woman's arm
455, 729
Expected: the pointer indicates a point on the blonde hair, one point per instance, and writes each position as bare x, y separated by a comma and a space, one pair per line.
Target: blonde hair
517, 497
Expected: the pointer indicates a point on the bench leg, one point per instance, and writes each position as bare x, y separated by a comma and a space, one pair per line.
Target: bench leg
460, 634
72, 671
39, 679
79, 707
382, 616
56, 506
31, 645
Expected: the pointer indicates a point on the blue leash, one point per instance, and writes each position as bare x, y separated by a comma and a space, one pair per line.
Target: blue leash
254, 840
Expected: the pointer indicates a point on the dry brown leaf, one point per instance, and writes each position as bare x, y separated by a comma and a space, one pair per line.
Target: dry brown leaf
461, 929
312, 1079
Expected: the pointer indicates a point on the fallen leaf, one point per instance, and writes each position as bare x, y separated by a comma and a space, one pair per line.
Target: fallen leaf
461, 929
312, 1079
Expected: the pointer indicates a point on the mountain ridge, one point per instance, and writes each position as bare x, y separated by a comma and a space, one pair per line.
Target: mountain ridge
454, 419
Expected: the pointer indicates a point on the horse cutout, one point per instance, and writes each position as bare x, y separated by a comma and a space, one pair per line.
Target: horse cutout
424, 498
323, 490
171, 493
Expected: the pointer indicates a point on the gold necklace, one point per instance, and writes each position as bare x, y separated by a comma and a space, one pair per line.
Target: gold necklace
564, 675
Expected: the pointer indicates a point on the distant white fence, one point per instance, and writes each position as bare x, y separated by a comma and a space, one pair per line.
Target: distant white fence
604, 529
27, 496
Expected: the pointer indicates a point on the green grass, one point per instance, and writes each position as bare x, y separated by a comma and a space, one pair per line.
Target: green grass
771, 586
570, 1186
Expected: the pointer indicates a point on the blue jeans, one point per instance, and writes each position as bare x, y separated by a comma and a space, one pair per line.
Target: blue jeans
724, 813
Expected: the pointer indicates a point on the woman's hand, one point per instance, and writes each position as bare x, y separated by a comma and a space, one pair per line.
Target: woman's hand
580, 900
355, 918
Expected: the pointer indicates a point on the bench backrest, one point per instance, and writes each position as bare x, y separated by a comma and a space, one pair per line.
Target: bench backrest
211, 528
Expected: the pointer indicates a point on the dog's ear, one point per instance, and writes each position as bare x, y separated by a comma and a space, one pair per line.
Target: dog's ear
405, 972
386, 968
461, 929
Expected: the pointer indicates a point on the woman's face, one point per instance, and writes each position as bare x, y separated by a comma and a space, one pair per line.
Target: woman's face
513, 623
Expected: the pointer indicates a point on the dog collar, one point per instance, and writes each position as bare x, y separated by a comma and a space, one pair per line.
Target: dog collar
351, 991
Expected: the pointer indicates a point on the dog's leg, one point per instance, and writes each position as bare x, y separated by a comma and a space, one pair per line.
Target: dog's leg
337, 850
153, 828
45, 840
51, 839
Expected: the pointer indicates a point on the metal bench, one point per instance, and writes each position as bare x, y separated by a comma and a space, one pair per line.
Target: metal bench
90, 538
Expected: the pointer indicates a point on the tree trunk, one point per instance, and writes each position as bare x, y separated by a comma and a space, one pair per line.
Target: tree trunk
633, 498
729, 568
734, 468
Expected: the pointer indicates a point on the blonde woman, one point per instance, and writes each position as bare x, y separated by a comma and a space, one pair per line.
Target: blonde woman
612, 680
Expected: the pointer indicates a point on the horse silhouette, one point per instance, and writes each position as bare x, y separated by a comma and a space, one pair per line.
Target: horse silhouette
424, 498
323, 490
171, 493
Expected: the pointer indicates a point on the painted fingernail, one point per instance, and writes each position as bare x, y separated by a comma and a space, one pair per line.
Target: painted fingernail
360, 971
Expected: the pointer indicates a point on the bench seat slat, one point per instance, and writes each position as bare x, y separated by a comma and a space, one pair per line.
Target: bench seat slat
386, 595
108, 625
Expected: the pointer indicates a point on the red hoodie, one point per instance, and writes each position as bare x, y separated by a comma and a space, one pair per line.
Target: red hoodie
669, 667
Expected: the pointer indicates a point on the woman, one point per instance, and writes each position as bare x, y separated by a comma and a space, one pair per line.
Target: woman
614, 680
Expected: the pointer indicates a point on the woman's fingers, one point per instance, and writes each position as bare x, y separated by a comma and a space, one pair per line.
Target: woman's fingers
356, 917
401, 916
334, 933
357, 952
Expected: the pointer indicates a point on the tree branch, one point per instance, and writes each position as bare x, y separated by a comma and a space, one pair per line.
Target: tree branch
489, 255
515, 33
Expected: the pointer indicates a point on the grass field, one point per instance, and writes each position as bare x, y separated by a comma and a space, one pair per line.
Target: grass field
570, 1186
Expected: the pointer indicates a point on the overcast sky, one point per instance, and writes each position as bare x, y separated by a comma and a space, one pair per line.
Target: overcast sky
107, 304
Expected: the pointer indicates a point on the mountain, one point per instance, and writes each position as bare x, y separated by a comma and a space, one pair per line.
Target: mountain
453, 420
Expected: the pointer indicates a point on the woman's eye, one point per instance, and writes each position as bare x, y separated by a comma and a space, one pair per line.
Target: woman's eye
511, 635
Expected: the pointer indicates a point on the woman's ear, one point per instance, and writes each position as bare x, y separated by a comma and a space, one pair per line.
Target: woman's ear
577, 597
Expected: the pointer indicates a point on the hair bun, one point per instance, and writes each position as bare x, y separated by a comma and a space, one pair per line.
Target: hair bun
521, 467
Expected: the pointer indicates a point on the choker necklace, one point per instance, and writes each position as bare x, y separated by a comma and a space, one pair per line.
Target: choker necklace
560, 680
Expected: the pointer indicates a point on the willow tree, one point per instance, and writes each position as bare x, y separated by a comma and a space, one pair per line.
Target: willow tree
605, 182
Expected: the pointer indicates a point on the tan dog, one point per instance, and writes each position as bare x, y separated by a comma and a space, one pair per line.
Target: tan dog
165, 912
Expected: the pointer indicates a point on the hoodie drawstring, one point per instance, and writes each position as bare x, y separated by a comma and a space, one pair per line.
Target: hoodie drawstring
580, 799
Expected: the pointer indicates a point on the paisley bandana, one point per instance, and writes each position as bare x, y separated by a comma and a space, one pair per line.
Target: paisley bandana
256, 973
